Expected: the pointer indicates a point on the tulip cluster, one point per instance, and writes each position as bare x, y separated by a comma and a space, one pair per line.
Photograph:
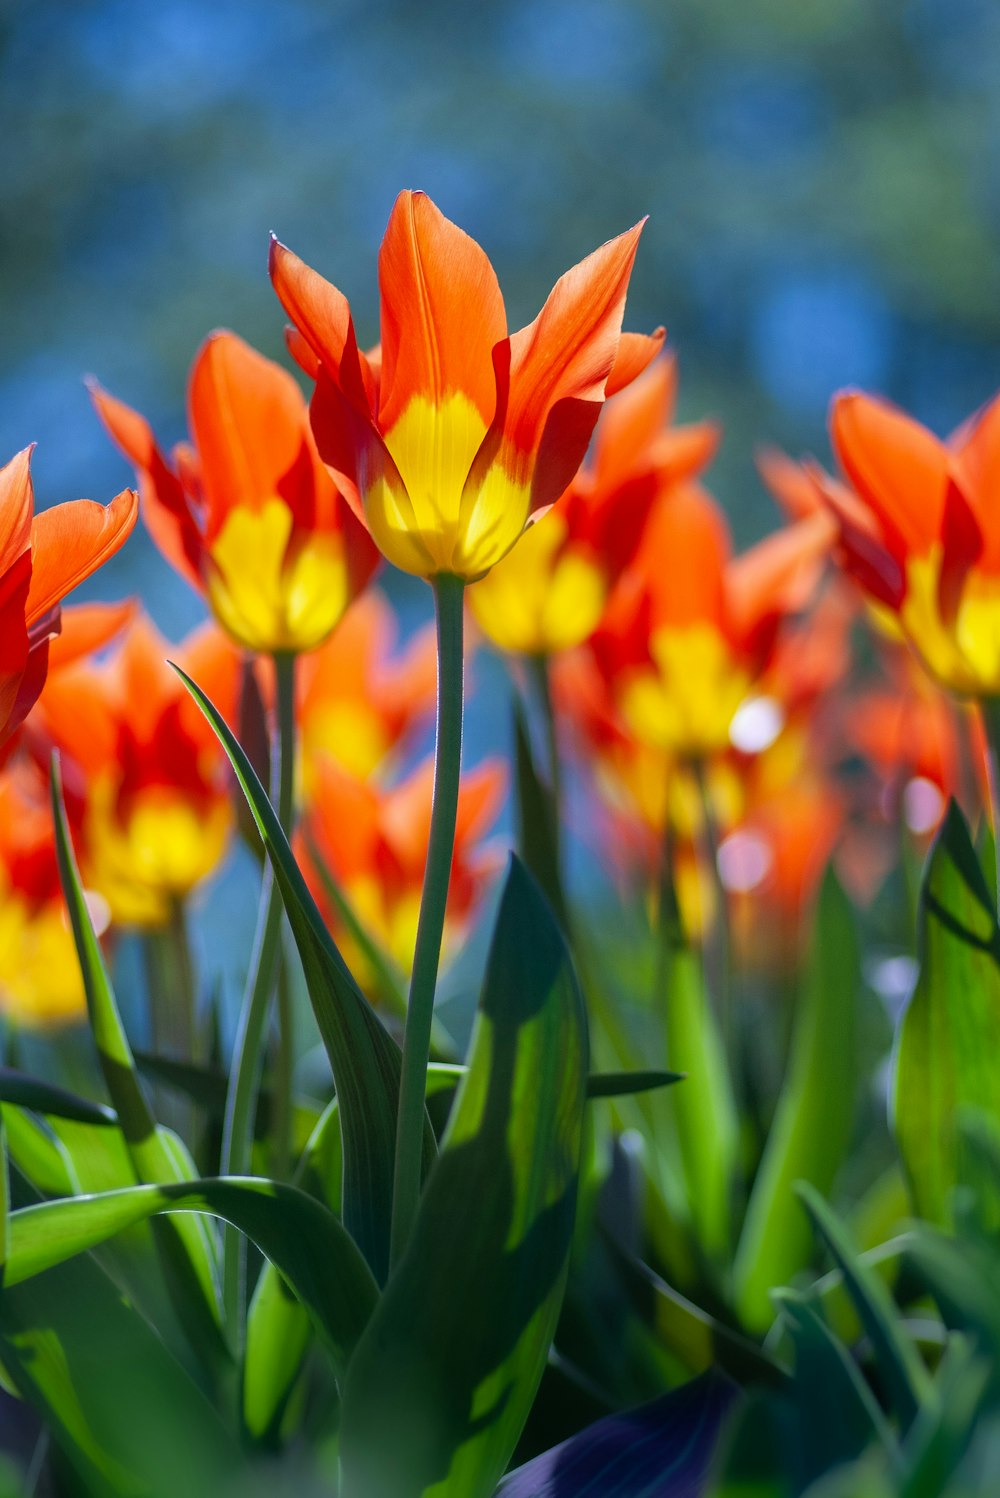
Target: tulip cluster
700, 734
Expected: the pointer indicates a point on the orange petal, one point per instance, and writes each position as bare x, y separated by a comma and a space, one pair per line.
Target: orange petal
87, 628
792, 484
16, 505
560, 364
779, 575
978, 462
632, 421
897, 466
635, 352
684, 553
323, 317
70, 541
442, 312
302, 351
165, 508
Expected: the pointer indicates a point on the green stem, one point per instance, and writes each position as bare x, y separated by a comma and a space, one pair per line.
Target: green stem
989, 709
448, 603
717, 944
539, 667
171, 990
241, 1099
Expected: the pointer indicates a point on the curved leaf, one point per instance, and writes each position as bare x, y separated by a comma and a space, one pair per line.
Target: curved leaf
455, 1350
364, 1058
315, 1254
815, 1115
23, 1091
945, 1049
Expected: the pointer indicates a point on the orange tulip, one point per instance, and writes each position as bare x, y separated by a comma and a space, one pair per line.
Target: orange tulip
549, 593
40, 982
690, 629
158, 812
42, 557
453, 438
374, 842
247, 512
921, 532
356, 700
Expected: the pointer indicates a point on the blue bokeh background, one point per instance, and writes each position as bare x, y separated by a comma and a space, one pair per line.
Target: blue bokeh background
822, 180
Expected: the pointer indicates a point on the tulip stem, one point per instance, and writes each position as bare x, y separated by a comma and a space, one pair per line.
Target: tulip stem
241, 1099
539, 665
448, 604
989, 711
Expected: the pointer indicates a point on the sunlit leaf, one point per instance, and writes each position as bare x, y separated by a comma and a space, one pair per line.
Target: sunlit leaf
454, 1353
945, 1052
812, 1126
364, 1058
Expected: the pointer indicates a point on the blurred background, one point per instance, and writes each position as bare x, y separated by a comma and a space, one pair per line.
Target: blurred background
822, 180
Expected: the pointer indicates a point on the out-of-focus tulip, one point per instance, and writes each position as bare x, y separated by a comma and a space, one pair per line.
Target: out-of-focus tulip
374, 843
549, 593
691, 629
42, 557
357, 701
454, 436
921, 532
246, 511
40, 982
158, 812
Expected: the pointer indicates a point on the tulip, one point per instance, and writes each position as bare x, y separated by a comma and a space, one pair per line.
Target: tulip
42, 557
453, 438
247, 512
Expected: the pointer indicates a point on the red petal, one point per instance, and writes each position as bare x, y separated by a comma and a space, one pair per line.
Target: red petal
16, 505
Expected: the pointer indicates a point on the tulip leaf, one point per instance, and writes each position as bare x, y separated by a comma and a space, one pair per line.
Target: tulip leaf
812, 1126
188, 1249
945, 1050
365, 1060
453, 1355
124, 1412
664, 1447
906, 1379
315, 1254
278, 1326
38, 1155
537, 814
42, 1097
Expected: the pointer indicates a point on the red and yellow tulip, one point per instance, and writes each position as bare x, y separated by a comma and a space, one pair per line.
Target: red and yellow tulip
246, 511
921, 533
454, 436
549, 593
158, 812
42, 557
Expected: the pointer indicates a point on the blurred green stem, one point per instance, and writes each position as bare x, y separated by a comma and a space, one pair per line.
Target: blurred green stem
449, 603
539, 667
241, 1100
989, 708
171, 995
716, 935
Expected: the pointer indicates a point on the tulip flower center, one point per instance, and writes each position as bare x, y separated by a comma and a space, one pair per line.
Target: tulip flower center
271, 591
544, 596
687, 699
40, 980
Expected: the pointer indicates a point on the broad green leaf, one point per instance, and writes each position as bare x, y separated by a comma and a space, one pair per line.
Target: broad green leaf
188, 1248
537, 839
453, 1355
812, 1127
39, 1156
945, 1051
42, 1097
364, 1058
703, 1110
315, 1254
278, 1326
610, 1084
940, 1438
128, 1418
961, 1277
906, 1379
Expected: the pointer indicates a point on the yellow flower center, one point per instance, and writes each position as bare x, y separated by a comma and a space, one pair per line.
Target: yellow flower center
40, 982
541, 597
686, 701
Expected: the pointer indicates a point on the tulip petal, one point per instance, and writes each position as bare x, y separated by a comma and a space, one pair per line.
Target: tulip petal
635, 352
897, 466
166, 511
322, 315
978, 462
16, 504
560, 364
442, 313
71, 541
632, 421
87, 628
779, 575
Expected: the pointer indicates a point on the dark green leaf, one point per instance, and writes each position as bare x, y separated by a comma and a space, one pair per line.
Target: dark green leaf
906, 1379
625, 1083
537, 841
454, 1353
945, 1053
42, 1097
364, 1058
813, 1123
